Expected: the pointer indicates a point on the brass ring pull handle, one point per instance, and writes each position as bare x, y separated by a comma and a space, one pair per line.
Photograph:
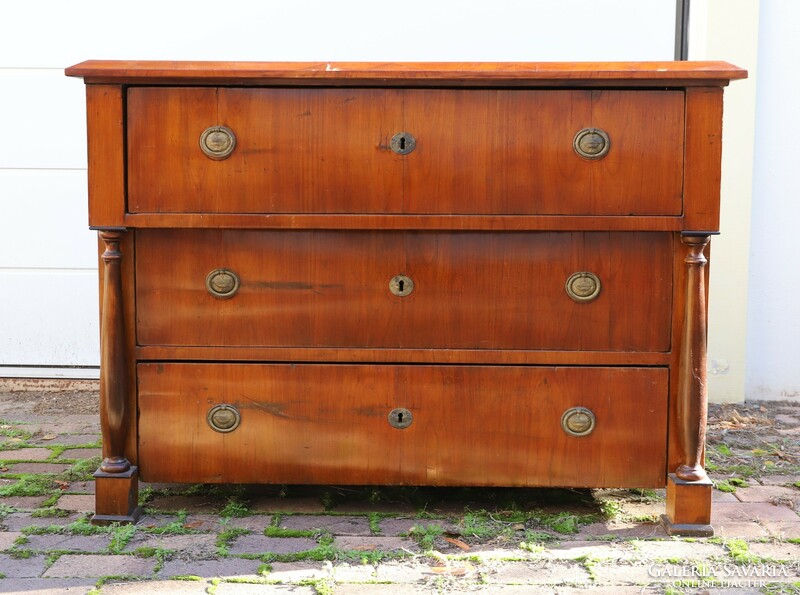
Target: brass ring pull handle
224, 418
578, 421
583, 287
401, 285
400, 418
591, 143
217, 142
222, 283
403, 143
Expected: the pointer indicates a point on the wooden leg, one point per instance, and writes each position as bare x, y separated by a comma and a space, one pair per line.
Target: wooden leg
688, 507
689, 489
116, 481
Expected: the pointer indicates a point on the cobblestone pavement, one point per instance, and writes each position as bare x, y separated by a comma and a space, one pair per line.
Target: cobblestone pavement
232, 540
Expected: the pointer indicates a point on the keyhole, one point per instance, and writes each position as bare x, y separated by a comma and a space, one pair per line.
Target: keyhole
401, 286
402, 148
400, 417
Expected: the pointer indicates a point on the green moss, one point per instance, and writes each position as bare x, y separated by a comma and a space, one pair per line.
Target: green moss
235, 508
225, 538
50, 512
121, 535
30, 484
186, 577
425, 536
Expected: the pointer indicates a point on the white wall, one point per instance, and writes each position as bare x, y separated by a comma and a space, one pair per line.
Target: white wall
47, 257
773, 344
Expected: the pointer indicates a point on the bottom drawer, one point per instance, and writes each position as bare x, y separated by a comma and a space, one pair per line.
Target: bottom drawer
469, 425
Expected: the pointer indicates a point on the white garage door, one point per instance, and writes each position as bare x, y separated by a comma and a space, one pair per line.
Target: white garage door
48, 288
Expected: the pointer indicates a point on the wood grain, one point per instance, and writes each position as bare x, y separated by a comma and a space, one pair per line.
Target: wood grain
410, 73
327, 151
472, 425
472, 290
106, 155
703, 159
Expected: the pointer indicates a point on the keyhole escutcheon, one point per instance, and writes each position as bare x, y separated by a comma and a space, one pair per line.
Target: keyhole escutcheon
401, 285
400, 418
403, 143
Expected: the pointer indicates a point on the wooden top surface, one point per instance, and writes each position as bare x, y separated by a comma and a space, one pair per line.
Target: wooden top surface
512, 74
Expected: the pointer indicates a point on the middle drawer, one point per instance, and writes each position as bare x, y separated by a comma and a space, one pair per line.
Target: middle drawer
604, 291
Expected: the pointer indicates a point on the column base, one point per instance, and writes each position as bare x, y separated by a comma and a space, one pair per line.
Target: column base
688, 507
116, 497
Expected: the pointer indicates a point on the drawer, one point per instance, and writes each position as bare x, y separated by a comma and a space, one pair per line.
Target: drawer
465, 290
470, 425
301, 150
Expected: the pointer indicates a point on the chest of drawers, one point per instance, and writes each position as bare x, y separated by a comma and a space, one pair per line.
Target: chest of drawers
421, 274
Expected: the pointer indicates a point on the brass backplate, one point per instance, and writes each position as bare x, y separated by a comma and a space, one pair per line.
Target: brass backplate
222, 283
578, 421
591, 143
217, 142
224, 418
583, 286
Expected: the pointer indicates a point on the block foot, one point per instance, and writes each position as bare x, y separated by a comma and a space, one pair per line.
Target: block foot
688, 507
116, 497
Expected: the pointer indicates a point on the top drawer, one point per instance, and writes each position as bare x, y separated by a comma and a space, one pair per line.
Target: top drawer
322, 150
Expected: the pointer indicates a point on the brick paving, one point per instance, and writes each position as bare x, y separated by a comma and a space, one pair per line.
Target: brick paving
312, 541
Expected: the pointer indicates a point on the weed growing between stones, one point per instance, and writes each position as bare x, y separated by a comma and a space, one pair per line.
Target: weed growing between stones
730, 485
425, 536
30, 484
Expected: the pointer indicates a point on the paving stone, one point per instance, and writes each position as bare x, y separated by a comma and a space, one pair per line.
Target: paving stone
536, 573
76, 502
81, 487
67, 428
717, 496
92, 565
395, 589
640, 510
46, 586
370, 544
292, 572
783, 529
22, 567
19, 520
23, 502
197, 546
754, 511
259, 544
299, 505
256, 523
678, 550
80, 453
203, 522
67, 439
246, 589
403, 526
338, 525
227, 567
366, 507
787, 420
777, 551
572, 550
402, 572
187, 503
26, 454
7, 539
597, 590
745, 530
75, 543
767, 494
779, 480
354, 573
622, 530
153, 521
156, 587
38, 467
631, 574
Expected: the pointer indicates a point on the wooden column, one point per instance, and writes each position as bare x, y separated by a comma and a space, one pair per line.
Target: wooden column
689, 489
116, 480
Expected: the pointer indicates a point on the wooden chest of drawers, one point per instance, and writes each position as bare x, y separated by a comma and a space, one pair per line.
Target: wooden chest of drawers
422, 274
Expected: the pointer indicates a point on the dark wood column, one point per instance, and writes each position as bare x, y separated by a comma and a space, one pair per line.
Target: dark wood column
116, 480
688, 488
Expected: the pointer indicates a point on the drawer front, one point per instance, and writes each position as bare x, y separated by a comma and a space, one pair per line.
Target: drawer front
470, 425
475, 152
470, 290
